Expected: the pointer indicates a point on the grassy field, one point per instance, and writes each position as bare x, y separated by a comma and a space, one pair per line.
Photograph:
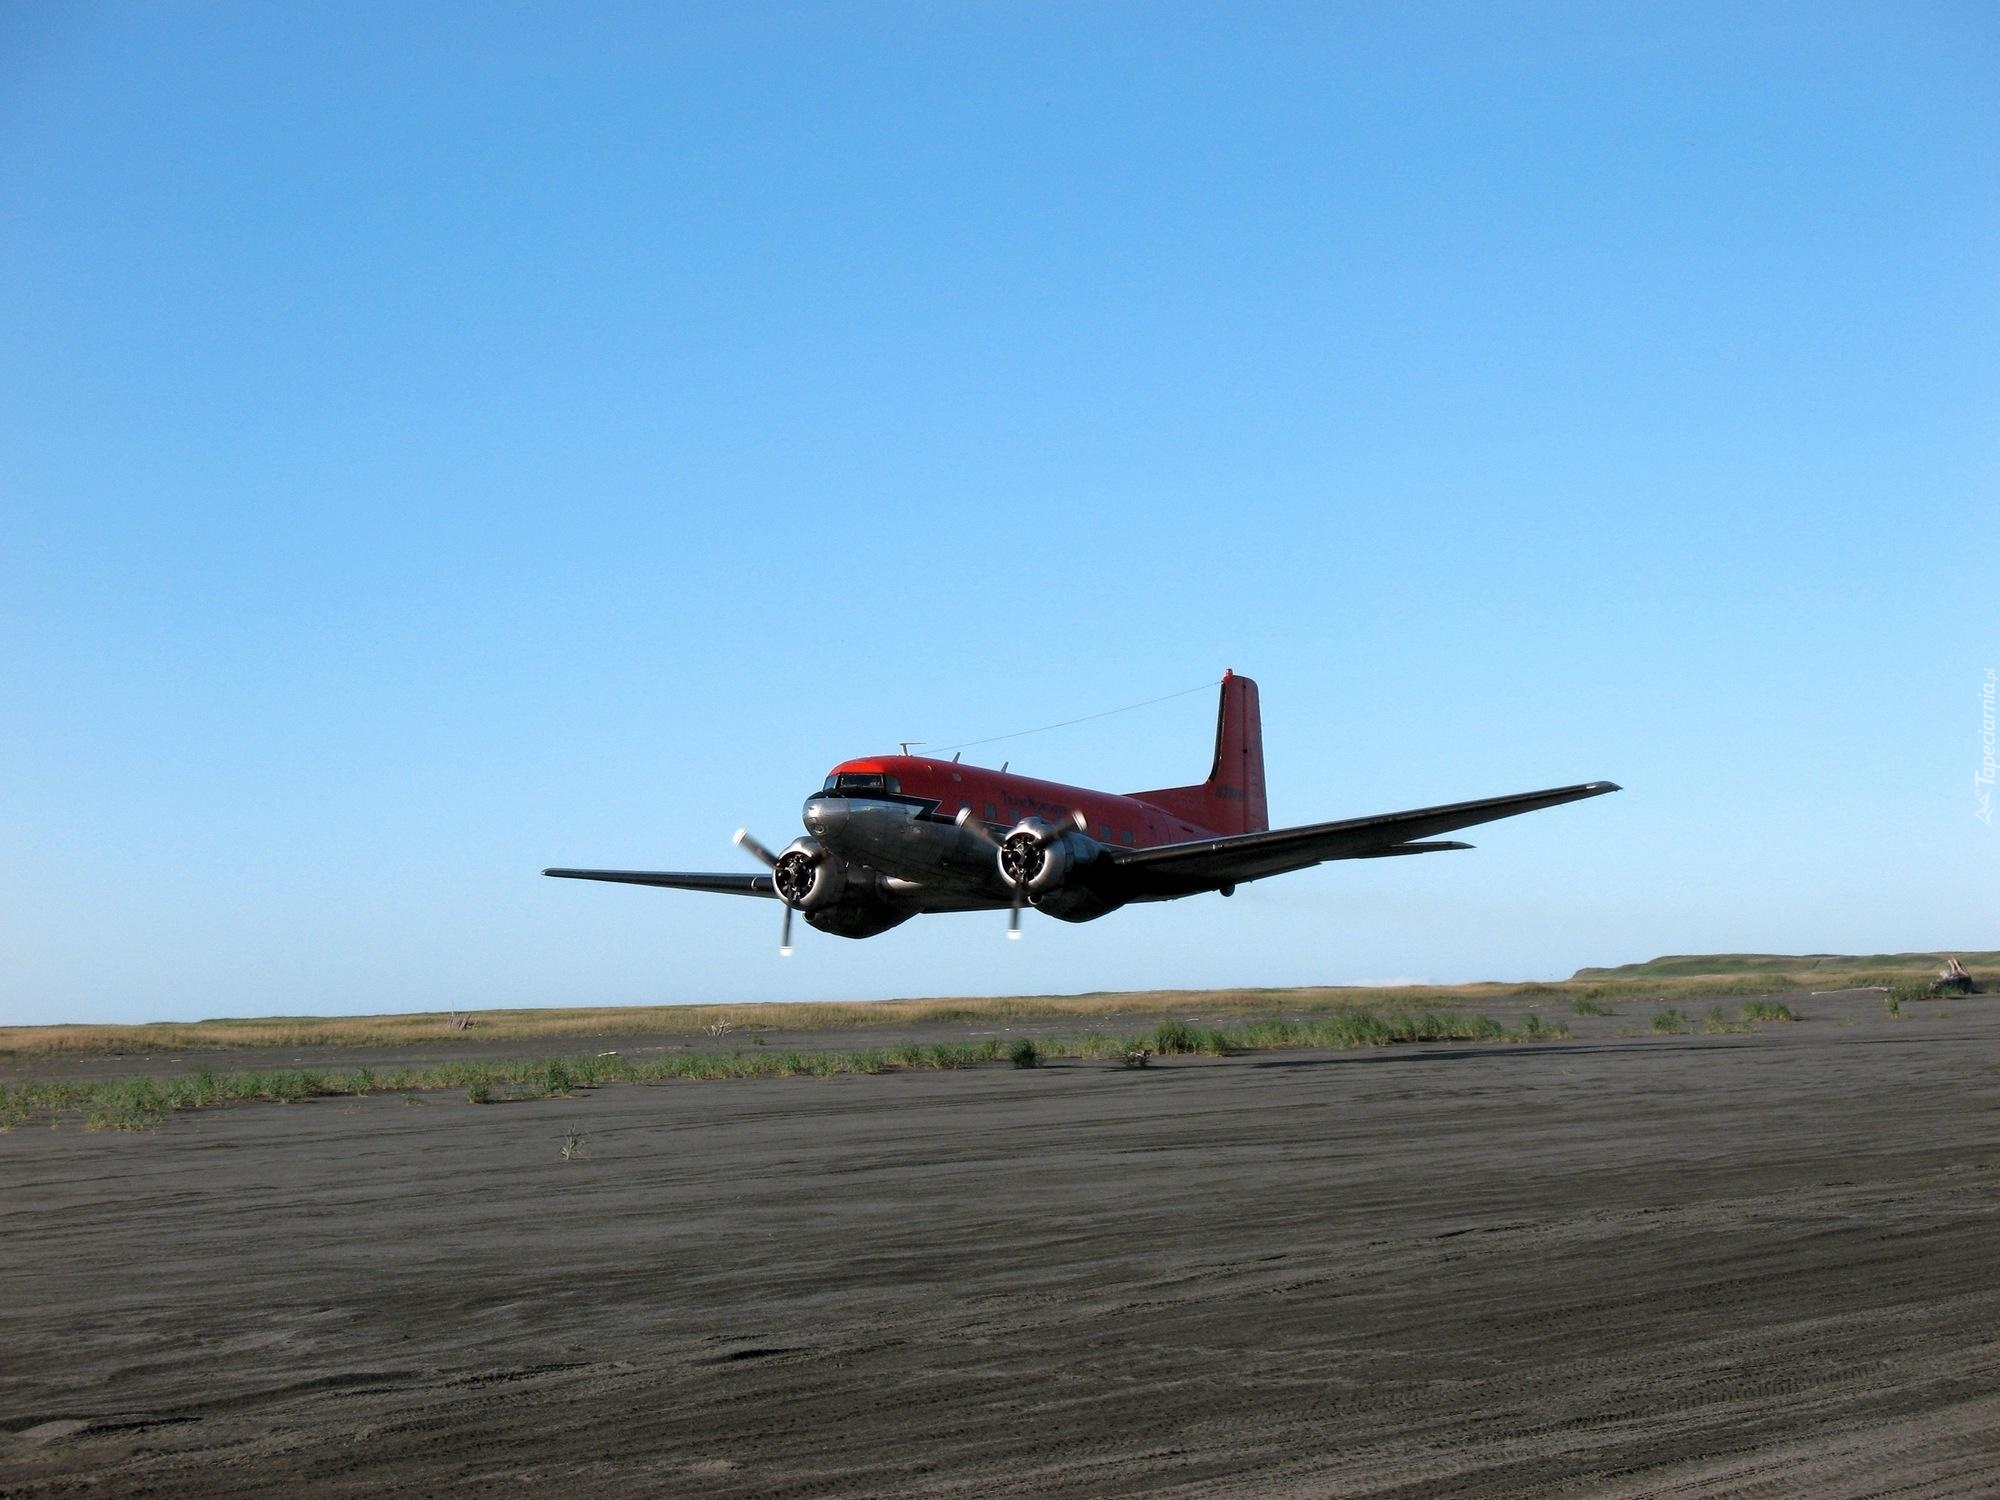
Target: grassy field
139, 1103
1660, 980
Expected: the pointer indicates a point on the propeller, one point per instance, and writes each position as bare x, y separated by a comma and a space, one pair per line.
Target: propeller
750, 846
1023, 868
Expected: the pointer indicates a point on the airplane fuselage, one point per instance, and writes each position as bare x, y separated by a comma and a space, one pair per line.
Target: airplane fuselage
900, 815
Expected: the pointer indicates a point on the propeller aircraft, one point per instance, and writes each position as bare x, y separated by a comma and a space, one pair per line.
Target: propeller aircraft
896, 836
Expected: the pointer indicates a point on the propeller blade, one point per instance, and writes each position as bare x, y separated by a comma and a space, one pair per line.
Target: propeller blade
1014, 916
785, 934
744, 842
977, 829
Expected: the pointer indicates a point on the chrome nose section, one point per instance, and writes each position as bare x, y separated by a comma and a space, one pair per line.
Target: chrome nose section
826, 818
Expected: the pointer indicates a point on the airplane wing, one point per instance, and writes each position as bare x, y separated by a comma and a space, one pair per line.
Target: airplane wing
680, 880
1206, 864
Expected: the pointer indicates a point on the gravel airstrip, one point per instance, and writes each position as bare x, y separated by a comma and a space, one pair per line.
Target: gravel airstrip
1760, 1262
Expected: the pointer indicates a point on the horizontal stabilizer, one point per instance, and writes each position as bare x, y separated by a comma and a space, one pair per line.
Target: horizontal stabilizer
1436, 847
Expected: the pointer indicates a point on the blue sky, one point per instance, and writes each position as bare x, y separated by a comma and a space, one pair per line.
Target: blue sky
437, 442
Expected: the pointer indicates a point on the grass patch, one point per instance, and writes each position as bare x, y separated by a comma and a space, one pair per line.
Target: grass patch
141, 1103
1768, 1010
1583, 1005
1669, 1020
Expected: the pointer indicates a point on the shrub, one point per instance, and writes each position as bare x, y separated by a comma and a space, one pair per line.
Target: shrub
1767, 1010
1024, 1054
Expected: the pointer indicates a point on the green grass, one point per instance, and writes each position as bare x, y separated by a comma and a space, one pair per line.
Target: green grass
140, 1103
1669, 1020
1768, 1010
1583, 1005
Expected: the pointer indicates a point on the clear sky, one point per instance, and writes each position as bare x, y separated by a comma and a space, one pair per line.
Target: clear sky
440, 441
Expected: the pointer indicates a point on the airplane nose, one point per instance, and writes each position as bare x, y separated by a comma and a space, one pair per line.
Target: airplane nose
825, 818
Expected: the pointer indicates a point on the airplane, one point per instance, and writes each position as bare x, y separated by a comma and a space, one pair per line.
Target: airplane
890, 837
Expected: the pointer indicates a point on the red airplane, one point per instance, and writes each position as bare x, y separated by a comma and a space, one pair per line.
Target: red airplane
893, 836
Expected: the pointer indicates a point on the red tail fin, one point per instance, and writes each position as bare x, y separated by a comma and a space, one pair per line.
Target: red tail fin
1232, 799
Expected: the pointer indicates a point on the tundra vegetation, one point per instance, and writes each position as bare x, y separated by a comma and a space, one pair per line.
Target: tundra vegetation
137, 1103
140, 1103
1660, 981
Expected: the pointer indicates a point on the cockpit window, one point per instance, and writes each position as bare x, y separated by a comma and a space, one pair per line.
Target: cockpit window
861, 784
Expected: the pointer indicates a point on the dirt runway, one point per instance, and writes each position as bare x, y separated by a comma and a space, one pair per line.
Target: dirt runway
1625, 1264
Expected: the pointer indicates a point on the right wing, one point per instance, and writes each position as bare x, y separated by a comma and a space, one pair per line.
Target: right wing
1206, 864
679, 880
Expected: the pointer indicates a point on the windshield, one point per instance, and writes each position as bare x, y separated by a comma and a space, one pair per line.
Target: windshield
860, 784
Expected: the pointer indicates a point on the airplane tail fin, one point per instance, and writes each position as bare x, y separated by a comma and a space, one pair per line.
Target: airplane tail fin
1232, 799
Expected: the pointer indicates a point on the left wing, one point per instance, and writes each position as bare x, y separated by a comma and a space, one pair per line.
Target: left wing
1205, 864
728, 885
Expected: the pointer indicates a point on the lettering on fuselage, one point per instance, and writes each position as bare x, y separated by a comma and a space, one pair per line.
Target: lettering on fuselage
1022, 805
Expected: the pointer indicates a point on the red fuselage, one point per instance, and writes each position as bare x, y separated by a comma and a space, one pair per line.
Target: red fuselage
1000, 799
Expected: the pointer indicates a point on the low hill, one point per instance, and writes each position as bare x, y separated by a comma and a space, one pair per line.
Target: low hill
1799, 970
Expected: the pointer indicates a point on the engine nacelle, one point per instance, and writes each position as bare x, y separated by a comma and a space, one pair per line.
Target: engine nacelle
865, 908
808, 876
834, 896
1056, 864
1042, 855
1076, 903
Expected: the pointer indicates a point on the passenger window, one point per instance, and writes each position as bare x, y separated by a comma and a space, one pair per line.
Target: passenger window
991, 815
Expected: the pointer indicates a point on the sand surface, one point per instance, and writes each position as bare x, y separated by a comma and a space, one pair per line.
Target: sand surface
1622, 1265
